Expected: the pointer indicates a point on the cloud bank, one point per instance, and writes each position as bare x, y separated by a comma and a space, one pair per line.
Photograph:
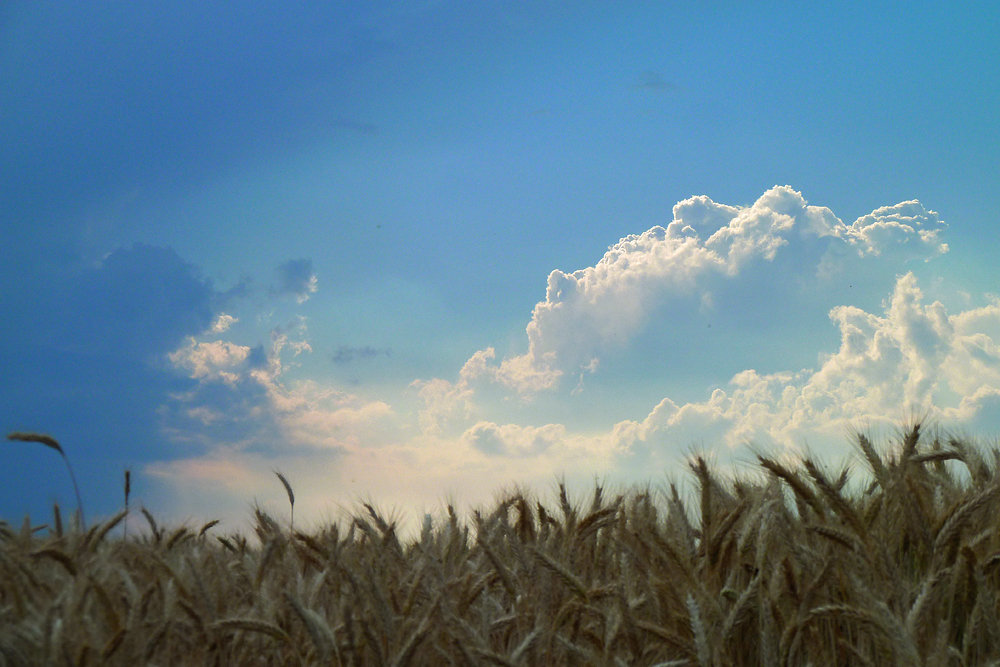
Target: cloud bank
913, 359
706, 251
908, 357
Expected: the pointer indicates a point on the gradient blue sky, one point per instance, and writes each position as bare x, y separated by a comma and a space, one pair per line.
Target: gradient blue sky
418, 251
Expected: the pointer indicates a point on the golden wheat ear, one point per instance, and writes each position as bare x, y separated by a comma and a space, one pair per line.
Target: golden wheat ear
291, 497
51, 442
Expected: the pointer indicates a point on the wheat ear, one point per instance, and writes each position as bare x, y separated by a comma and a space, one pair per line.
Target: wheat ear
291, 498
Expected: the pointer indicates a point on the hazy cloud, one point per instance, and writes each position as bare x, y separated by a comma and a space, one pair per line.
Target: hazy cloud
512, 439
345, 354
653, 80
296, 277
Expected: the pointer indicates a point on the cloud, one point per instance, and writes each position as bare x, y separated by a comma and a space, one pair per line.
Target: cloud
907, 225
713, 261
911, 357
243, 418
710, 254
138, 301
512, 439
447, 405
652, 80
345, 354
979, 412
242, 401
213, 360
85, 355
914, 358
296, 277
222, 323
904, 232
130, 308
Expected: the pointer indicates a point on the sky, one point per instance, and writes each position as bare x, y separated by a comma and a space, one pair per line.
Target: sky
421, 252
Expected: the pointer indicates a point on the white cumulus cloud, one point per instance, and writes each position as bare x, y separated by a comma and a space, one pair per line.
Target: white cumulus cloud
696, 257
912, 359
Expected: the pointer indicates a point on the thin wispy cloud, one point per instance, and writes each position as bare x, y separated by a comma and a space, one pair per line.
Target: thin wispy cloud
346, 354
654, 81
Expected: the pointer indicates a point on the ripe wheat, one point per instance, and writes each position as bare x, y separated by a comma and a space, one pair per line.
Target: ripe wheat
786, 568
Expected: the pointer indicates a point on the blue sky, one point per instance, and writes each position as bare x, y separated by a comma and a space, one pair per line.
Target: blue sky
418, 251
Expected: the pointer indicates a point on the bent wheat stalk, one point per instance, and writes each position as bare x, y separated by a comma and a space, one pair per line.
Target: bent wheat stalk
51, 442
291, 498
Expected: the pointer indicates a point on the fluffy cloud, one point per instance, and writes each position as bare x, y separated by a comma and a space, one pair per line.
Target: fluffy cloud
255, 393
911, 360
906, 227
690, 263
912, 357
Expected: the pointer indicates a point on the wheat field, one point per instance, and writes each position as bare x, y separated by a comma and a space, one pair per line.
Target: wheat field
783, 566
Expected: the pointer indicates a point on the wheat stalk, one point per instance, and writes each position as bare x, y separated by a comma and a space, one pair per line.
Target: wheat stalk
252, 625
698, 629
128, 490
51, 442
291, 498
626, 586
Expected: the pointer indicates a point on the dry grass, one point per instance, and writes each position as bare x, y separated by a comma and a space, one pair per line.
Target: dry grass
787, 569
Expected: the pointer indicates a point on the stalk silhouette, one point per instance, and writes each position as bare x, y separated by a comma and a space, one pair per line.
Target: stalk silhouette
128, 489
51, 442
